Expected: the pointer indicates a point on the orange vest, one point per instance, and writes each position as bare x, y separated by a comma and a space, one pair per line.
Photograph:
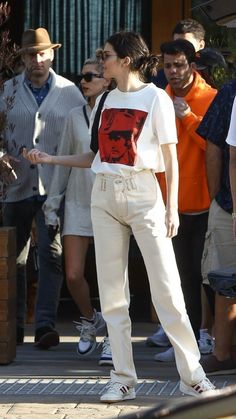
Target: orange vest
193, 190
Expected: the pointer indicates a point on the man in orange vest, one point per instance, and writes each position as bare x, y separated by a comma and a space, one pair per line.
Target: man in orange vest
191, 96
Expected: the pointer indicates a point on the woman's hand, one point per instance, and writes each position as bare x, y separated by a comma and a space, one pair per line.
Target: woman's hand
36, 156
172, 223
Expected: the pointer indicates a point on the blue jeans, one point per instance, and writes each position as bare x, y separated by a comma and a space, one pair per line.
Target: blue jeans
20, 215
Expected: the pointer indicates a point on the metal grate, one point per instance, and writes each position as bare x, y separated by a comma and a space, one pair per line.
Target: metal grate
88, 387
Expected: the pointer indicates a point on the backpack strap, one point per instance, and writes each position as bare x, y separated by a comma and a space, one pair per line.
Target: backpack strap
94, 131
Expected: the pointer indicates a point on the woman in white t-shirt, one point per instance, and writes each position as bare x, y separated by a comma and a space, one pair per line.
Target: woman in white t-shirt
136, 138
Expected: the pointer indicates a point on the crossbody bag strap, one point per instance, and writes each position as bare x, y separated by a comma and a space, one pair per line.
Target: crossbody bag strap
85, 115
94, 131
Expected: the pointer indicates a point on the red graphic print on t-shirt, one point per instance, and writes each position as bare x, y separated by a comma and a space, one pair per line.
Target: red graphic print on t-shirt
118, 134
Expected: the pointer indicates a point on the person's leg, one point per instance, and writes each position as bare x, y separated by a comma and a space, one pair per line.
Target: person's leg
148, 226
233, 347
20, 215
111, 237
75, 251
188, 247
225, 323
223, 359
219, 252
208, 308
50, 275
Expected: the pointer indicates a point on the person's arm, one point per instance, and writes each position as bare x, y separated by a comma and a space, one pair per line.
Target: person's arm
172, 183
232, 176
213, 168
78, 160
61, 174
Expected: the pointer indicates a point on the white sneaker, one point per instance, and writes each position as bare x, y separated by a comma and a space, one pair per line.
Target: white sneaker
106, 356
204, 386
116, 392
166, 356
159, 338
88, 330
206, 342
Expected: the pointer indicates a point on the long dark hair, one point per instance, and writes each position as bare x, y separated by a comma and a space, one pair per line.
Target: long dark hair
132, 45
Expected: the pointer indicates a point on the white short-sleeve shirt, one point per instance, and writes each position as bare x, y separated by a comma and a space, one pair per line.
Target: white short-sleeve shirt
133, 126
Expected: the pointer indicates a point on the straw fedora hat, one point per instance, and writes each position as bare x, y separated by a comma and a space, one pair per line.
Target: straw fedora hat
34, 40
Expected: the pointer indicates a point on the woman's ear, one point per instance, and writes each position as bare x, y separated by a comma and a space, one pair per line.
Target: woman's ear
107, 82
126, 61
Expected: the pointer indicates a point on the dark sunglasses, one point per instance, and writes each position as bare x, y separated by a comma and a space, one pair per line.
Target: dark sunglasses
88, 77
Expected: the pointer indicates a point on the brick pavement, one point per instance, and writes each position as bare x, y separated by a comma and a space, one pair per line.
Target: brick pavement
158, 383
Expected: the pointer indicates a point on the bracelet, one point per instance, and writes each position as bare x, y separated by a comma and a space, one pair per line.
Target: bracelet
234, 215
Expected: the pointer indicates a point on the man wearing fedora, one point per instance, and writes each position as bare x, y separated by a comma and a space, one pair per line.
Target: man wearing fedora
42, 101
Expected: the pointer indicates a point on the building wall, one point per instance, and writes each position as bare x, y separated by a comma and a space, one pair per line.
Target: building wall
165, 15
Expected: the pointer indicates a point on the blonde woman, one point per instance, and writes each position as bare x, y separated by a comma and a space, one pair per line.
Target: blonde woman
74, 186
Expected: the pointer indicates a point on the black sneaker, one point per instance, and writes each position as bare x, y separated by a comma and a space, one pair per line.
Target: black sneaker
45, 337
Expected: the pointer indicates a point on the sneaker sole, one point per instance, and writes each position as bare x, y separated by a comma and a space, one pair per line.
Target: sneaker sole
189, 392
103, 363
88, 352
108, 400
206, 352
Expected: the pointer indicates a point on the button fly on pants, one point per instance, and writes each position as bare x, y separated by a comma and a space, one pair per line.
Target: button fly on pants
120, 197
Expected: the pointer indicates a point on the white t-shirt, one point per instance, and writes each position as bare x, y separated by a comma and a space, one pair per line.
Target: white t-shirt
231, 137
133, 126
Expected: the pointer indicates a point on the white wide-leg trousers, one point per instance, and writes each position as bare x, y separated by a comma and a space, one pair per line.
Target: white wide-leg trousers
133, 203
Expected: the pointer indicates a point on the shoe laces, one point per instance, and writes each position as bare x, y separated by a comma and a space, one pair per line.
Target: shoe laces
106, 349
205, 338
86, 330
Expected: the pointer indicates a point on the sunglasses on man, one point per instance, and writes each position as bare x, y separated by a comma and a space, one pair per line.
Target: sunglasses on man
88, 76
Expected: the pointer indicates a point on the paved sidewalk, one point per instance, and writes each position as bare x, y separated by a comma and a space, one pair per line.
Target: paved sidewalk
58, 384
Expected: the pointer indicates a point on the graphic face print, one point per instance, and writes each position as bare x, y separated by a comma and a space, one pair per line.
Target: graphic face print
118, 135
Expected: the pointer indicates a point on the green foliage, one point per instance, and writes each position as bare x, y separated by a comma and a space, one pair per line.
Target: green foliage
8, 56
221, 75
221, 38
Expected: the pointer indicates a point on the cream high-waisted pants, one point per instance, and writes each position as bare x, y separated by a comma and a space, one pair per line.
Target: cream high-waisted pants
121, 205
